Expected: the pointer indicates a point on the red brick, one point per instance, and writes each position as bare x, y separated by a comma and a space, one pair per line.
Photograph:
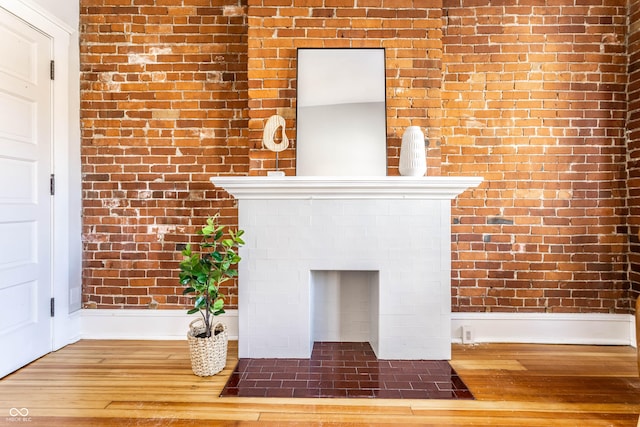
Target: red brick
532, 97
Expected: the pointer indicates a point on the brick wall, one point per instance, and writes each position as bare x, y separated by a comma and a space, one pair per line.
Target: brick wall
633, 146
531, 97
164, 108
409, 30
534, 101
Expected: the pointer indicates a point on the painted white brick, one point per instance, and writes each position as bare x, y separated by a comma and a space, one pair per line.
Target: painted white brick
406, 241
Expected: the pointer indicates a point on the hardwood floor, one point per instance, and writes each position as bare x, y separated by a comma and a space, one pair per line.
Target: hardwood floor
150, 383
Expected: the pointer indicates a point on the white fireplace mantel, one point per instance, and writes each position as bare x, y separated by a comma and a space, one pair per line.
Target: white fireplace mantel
330, 258
326, 187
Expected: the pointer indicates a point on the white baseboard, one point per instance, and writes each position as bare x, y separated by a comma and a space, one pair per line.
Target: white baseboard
545, 328
541, 328
146, 324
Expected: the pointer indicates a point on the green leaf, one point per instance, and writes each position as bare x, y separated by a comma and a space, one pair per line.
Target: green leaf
202, 271
187, 250
200, 302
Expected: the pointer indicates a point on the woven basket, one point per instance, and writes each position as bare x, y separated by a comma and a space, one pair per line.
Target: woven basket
208, 355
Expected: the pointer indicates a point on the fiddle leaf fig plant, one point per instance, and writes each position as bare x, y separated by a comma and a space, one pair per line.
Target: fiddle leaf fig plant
203, 272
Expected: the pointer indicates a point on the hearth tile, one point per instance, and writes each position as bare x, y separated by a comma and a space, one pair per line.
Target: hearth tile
406, 377
368, 384
264, 362
246, 384
317, 370
397, 385
444, 386
233, 380
355, 375
351, 378
259, 375
422, 385
387, 394
345, 371
231, 391
346, 384
287, 362
321, 384
284, 375
386, 377
442, 394
463, 394
458, 383
332, 377
333, 364
401, 364
415, 394
323, 356
268, 384
308, 376
333, 392
307, 392
378, 364
354, 392
347, 356
242, 364
280, 392
295, 384
252, 392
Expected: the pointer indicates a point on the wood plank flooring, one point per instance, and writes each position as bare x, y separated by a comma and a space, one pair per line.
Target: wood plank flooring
150, 383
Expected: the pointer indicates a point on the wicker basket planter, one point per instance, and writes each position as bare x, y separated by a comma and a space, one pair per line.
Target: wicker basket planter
202, 272
208, 355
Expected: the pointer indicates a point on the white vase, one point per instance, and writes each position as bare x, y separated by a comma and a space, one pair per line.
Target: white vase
413, 158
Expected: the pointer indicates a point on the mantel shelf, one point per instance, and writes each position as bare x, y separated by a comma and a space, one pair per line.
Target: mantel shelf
328, 187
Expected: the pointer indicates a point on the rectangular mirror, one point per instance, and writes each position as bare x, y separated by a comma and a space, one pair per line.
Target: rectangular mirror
341, 112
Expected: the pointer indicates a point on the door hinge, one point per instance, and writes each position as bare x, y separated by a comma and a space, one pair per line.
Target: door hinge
52, 69
53, 307
52, 184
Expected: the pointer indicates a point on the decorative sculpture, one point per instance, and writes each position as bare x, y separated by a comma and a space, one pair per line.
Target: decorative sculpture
268, 136
413, 159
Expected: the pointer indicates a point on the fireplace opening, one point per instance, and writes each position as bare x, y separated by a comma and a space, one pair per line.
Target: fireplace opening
345, 306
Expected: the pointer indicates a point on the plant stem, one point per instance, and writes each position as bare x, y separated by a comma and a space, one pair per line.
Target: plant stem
208, 325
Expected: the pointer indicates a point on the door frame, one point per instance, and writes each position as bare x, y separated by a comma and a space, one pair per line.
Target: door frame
66, 248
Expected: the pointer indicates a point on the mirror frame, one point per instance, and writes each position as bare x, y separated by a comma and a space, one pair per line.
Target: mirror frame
341, 139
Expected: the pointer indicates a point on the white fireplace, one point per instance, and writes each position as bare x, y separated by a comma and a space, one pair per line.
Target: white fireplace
345, 259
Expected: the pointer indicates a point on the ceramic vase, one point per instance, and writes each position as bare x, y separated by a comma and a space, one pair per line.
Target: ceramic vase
413, 158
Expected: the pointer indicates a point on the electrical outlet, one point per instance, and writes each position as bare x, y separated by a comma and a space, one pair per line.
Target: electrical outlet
467, 334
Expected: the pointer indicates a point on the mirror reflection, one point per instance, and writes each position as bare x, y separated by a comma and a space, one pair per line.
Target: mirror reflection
341, 112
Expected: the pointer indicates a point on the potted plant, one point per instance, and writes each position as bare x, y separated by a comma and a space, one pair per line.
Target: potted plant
202, 273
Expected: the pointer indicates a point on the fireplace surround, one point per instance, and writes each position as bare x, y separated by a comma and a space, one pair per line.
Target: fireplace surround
399, 228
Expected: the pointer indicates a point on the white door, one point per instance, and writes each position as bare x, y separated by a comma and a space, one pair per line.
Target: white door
25, 199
